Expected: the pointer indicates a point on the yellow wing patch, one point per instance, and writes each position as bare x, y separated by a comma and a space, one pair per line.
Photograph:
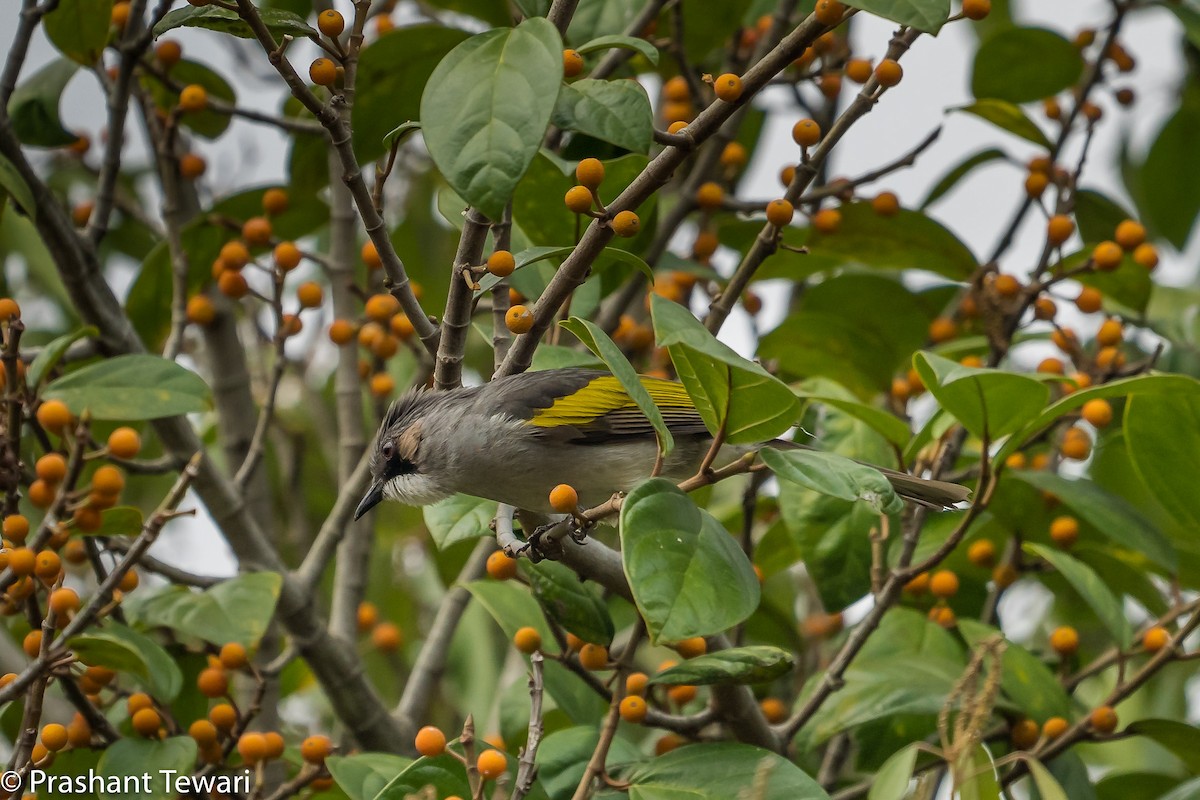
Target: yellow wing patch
605, 395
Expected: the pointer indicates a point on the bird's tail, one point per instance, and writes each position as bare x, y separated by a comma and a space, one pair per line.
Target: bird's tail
923, 491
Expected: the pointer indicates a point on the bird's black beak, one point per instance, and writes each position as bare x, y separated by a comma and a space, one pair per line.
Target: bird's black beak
370, 499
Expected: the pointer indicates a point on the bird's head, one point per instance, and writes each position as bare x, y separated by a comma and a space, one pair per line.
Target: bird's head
404, 454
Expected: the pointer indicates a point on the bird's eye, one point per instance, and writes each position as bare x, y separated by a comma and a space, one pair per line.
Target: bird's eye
387, 451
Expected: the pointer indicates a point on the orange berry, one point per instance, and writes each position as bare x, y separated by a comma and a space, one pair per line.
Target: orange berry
1051, 366
1044, 308
710, 196
203, 731
22, 561
572, 63
252, 747
1036, 183
323, 72
82, 213
108, 479
54, 416
734, 156
1130, 234
1098, 412
192, 166
370, 256
1006, 285
386, 637
54, 737
728, 87
1107, 256
233, 656
593, 656
1155, 639
501, 567
501, 263
1109, 358
518, 319
889, 72
79, 732
168, 53
636, 683
1089, 300
1004, 576
676, 89
119, 16
213, 682
64, 600
341, 332
275, 201
315, 749
193, 97
1145, 256
982, 553
1024, 734
1103, 719
976, 9
137, 701
886, 204
124, 443
829, 12
1064, 530
1065, 640
805, 133
633, 709
235, 255
1076, 447
773, 709
310, 294
331, 23
1110, 334
380, 307
16, 528
367, 616
382, 384
942, 329
9, 309
1054, 727
944, 616
491, 764
402, 327
200, 311
564, 499
384, 24
146, 722
918, 585
827, 220
257, 231
287, 256
707, 242
681, 695
46, 565
779, 213
223, 716
859, 70
787, 175
943, 583
668, 742
693, 647
578, 199
626, 224
527, 640
1059, 229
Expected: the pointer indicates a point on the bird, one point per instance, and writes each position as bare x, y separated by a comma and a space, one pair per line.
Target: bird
515, 438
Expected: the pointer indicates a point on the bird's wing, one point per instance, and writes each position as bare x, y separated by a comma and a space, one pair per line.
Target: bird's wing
586, 406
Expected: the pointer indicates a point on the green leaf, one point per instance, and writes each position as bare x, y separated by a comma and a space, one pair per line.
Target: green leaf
891, 781
975, 775
596, 340
617, 112
125, 650
146, 757
988, 402
908, 240
487, 106
119, 521
1022, 65
720, 771
834, 475
512, 607
564, 755
12, 183
445, 773
1113, 517
596, 18
688, 575
224, 20
1009, 117
79, 28
400, 133
1024, 678
1174, 201
1189, 790
737, 665
924, 15
458, 518
570, 602
1178, 737
234, 610
1046, 784
207, 123
1097, 215
131, 387
53, 352
647, 50
363, 775
33, 106
831, 536
887, 425
1160, 431
1089, 586
731, 393
951, 178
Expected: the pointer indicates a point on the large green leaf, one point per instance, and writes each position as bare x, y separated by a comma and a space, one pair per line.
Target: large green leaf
1007, 116
1021, 65
512, 606
225, 20
234, 610
688, 575
53, 352
1024, 678
951, 178
1178, 737
887, 425
572, 603
487, 106
832, 538
1087, 583
131, 387
33, 106
924, 15
1047, 786
150, 758
1116, 519
988, 402
757, 664
617, 112
79, 28
892, 779
732, 394
640, 46
458, 518
836, 476
207, 123
720, 771
564, 756
1172, 177
125, 650
363, 775
907, 240
1098, 215
1160, 433
445, 773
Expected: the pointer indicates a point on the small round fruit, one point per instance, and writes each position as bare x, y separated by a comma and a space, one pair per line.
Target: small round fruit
380, 307
315, 749
252, 747
1004, 576
16, 527
233, 656
9, 309
193, 97
223, 716
982, 553
918, 585
310, 294
275, 201
1155, 639
518, 319
1110, 334
491, 764
773, 709
1006, 285
1098, 412
709, 196
564, 499
633, 709
108, 480
626, 224
1064, 530
146, 721
41, 494
501, 263
859, 70
590, 172
257, 231
593, 656
64, 601
1065, 640
976, 9
22, 561
47, 565
734, 156
341, 332
728, 87
430, 741
1044, 308
578, 199
54, 416
527, 640
1130, 234
1103, 719
124, 443
676, 90
780, 212
1107, 256
572, 63
1059, 229
382, 384
501, 567
287, 256
636, 683
331, 23
200, 311
1024, 734
693, 647
54, 737
1051, 366
806, 133
192, 166
323, 72
942, 329
213, 682
1089, 300
168, 53
1076, 447
681, 695
889, 72
829, 12
943, 583
827, 220
32, 643
1054, 727
386, 637
1145, 256
370, 256
203, 731
886, 204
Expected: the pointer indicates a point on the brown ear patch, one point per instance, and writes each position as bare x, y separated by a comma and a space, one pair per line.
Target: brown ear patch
408, 442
